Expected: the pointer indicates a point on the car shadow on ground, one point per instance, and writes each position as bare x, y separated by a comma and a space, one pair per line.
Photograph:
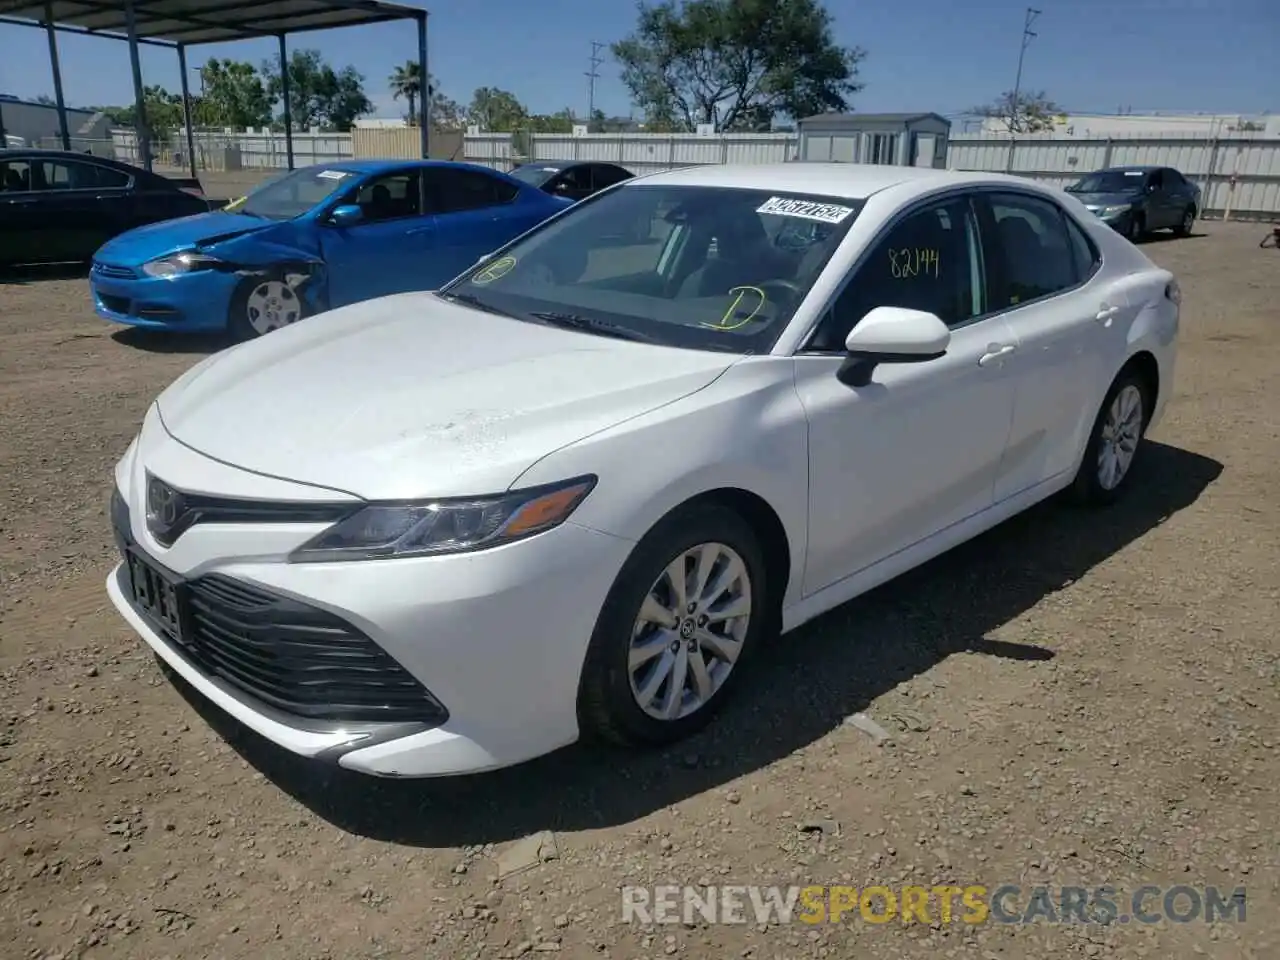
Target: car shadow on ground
1165, 236
802, 687
42, 272
163, 341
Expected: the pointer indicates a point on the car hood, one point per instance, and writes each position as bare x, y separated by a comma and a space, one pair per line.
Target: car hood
410, 396
142, 244
1107, 199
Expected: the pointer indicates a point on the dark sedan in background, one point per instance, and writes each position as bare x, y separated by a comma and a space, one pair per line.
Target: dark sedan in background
1136, 200
573, 179
59, 207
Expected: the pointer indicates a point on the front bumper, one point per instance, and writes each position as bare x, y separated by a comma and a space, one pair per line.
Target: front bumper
1120, 222
197, 301
497, 637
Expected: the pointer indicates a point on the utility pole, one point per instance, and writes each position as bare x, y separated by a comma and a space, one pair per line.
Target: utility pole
1027, 37
592, 75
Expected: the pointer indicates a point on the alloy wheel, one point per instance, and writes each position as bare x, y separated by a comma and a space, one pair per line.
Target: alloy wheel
1121, 432
270, 305
690, 631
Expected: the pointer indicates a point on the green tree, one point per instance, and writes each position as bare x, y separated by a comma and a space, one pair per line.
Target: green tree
234, 95
737, 64
497, 110
561, 122
164, 112
319, 96
406, 82
1029, 112
446, 113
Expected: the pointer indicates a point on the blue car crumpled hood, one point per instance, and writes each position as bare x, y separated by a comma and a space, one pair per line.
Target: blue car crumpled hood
143, 244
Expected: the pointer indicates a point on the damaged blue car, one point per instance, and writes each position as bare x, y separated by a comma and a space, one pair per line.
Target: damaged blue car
316, 238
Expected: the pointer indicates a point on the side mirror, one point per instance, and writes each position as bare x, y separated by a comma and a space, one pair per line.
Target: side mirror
346, 215
892, 335
898, 335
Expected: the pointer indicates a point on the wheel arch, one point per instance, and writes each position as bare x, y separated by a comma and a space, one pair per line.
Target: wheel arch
764, 521
1143, 363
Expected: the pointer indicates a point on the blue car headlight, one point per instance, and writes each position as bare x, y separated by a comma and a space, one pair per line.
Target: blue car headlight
177, 264
1115, 210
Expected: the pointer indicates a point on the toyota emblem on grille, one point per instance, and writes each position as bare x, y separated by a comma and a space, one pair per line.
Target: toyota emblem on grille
164, 507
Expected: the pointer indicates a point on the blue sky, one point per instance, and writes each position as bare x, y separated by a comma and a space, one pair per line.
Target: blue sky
1090, 55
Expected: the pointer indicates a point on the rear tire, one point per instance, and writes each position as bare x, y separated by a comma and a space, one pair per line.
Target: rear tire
657, 634
262, 304
1114, 443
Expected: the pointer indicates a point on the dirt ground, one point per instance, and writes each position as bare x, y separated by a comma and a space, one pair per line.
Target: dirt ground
1075, 698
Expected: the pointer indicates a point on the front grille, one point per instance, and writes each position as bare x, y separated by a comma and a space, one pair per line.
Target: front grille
189, 509
113, 271
297, 658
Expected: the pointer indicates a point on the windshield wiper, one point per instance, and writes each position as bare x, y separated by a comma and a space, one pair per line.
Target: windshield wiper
471, 300
573, 321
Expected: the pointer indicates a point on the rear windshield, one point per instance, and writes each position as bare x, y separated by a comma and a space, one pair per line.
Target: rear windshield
534, 174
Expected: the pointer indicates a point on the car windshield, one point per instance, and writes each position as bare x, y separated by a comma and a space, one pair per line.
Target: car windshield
712, 268
294, 194
1110, 181
534, 174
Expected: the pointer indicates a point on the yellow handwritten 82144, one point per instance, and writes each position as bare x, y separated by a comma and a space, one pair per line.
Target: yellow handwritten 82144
909, 262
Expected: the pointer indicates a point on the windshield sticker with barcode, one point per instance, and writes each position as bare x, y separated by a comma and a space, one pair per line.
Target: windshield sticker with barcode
805, 209
333, 174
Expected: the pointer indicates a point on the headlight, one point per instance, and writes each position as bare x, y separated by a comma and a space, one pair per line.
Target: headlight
1107, 212
382, 530
175, 265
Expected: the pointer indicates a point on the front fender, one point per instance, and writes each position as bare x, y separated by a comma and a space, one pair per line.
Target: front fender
744, 431
257, 256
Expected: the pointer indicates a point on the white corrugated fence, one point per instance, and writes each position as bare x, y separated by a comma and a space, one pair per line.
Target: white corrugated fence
1240, 172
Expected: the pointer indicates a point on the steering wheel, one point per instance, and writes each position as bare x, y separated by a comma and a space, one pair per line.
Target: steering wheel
792, 289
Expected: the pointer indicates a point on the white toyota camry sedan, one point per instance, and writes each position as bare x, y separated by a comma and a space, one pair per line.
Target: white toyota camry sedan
571, 493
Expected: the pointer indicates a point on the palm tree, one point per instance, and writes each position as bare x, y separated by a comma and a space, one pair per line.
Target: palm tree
406, 81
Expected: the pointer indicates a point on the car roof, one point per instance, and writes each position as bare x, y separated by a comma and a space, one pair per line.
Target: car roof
851, 181
35, 153
569, 164
377, 166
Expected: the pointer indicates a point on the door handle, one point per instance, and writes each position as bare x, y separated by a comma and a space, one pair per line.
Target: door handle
995, 352
1106, 314
417, 230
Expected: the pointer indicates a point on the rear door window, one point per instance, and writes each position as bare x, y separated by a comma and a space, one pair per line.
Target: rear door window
1032, 246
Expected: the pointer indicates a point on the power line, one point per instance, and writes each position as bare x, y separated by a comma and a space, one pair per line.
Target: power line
1027, 37
593, 75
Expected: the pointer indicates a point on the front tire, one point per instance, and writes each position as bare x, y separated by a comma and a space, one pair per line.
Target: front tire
1113, 445
1183, 229
1137, 228
262, 304
682, 619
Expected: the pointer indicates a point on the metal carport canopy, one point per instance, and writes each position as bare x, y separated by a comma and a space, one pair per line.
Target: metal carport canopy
182, 23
